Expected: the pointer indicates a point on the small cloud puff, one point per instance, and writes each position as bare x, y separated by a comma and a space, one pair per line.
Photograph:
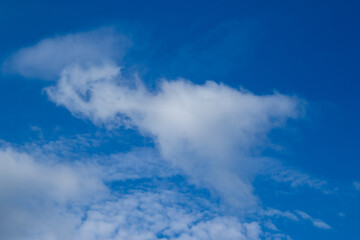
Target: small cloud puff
356, 185
47, 58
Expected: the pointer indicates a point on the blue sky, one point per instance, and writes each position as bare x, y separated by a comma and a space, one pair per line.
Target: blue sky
179, 120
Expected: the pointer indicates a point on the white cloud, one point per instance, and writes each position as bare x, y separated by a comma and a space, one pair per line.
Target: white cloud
144, 215
21, 174
117, 166
45, 200
210, 132
276, 236
277, 213
46, 197
294, 216
207, 130
49, 57
137, 164
35, 194
356, 185
282, 174
316, 222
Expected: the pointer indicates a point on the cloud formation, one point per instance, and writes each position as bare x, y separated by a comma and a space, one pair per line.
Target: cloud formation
152, 215
316, 222
43, 188
57, 200
48, 58
212, 134
208, 130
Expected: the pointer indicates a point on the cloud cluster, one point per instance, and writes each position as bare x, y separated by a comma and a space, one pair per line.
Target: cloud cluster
56, 200
152, 215
47, 197
211, 134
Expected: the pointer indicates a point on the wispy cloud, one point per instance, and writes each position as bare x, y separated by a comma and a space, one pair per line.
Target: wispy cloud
295, 216
82, 197
277, 172
70, 200
150, 215
277, 213
316, 222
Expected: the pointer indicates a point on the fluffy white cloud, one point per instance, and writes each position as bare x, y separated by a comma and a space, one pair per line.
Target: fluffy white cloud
21, 174
208, 130
35, 194
50, 56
